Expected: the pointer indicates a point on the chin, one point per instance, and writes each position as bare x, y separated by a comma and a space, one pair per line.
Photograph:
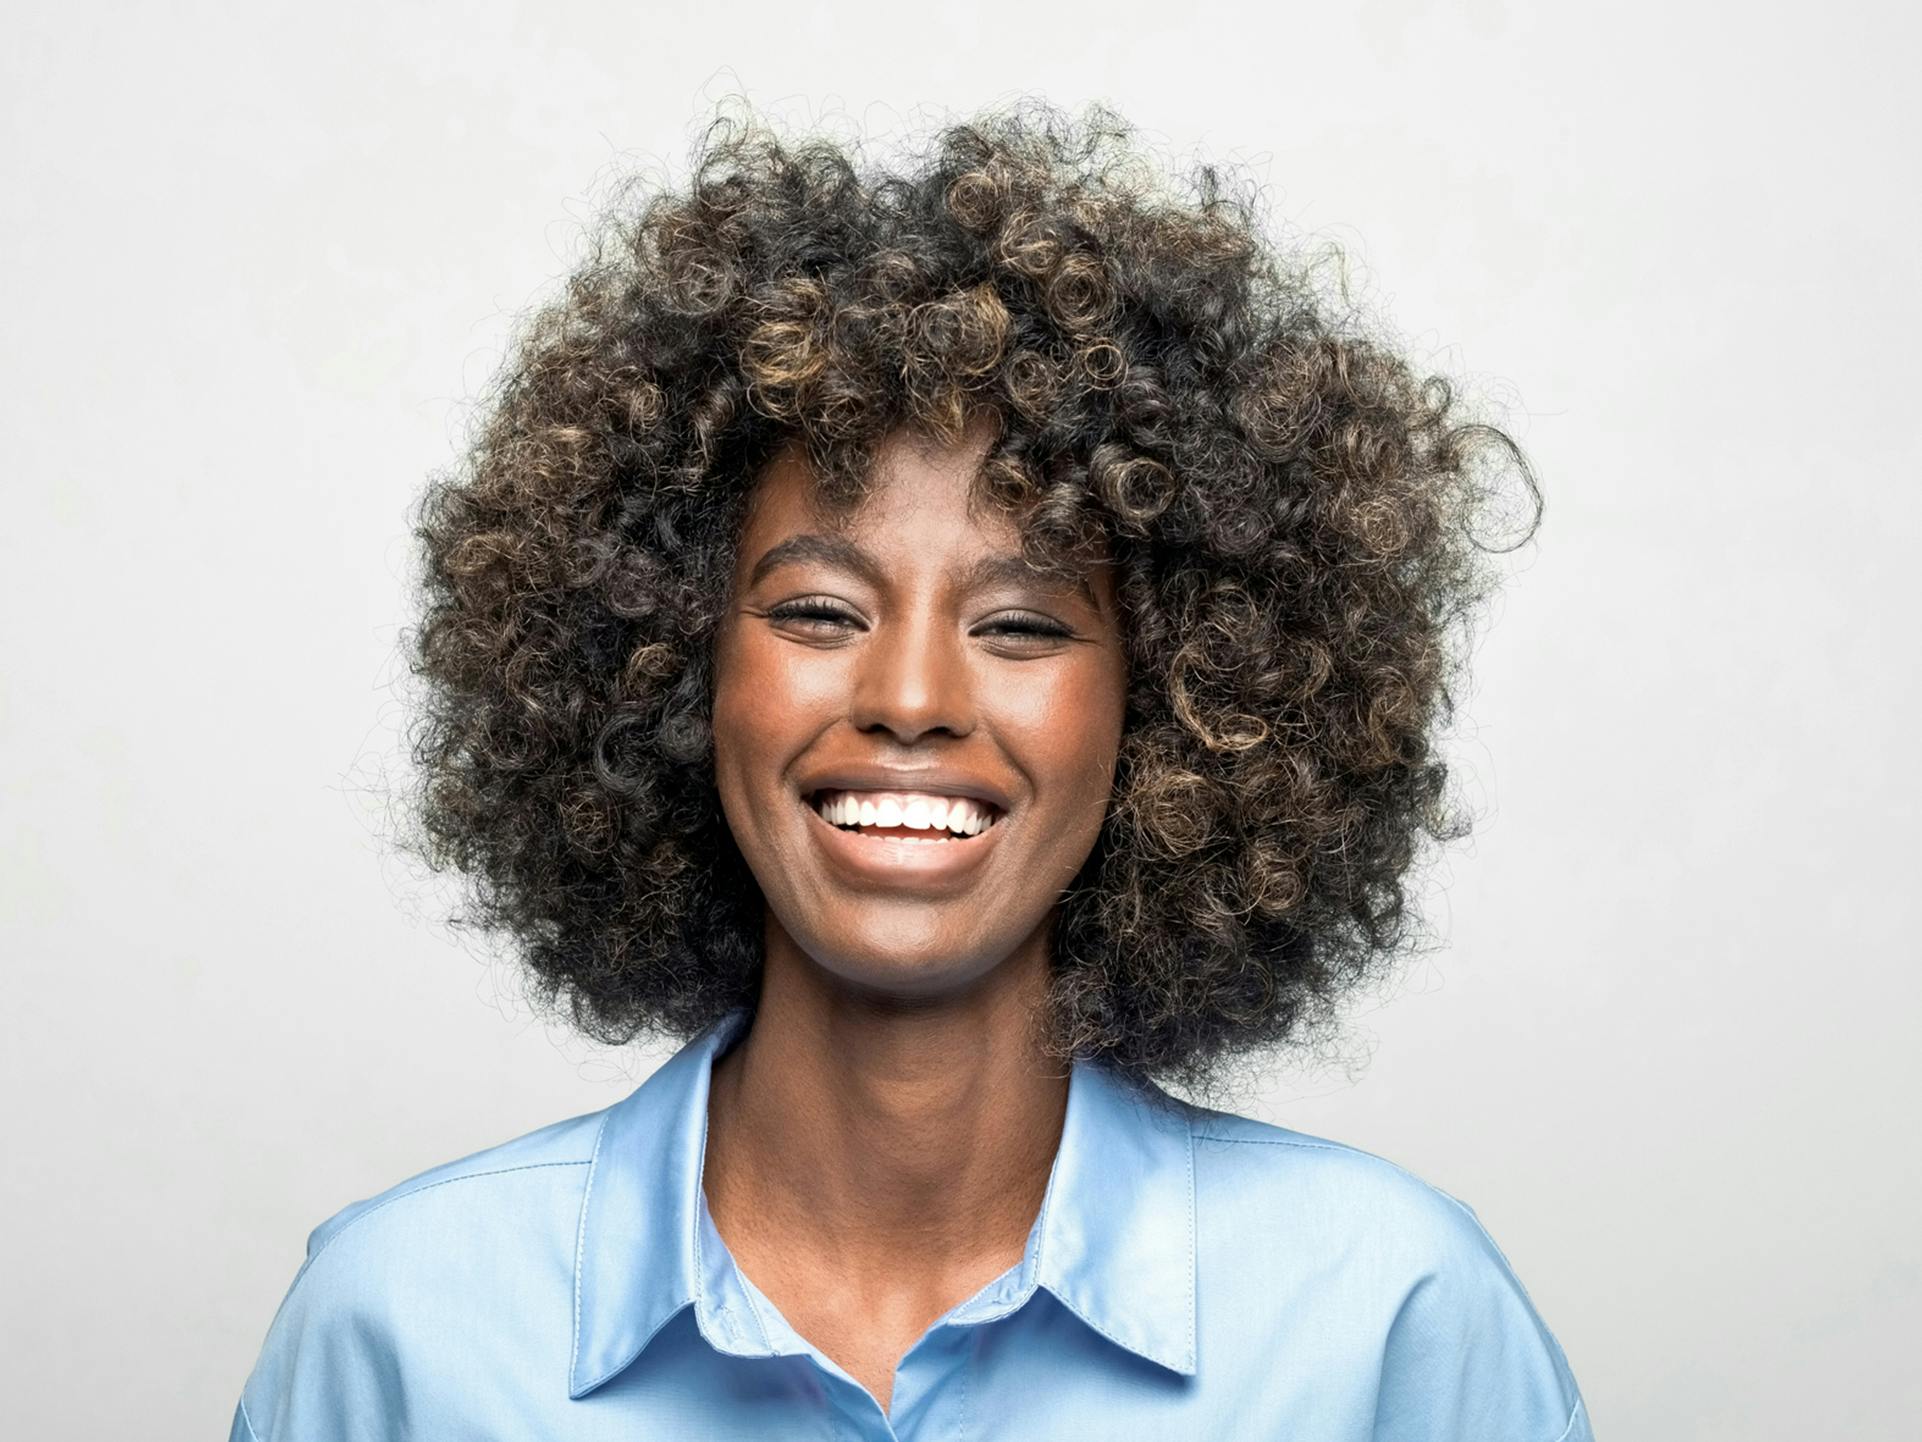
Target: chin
907, 955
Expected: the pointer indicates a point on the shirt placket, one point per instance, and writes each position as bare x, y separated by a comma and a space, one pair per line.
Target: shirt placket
931, 1382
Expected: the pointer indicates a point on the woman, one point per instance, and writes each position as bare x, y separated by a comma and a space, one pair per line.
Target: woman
953, 648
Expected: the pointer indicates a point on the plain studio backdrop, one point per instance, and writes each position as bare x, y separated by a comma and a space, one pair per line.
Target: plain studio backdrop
259, 260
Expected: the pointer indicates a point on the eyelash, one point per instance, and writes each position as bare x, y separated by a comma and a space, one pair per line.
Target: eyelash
1019, 623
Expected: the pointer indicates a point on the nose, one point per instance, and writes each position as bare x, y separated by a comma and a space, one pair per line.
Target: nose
913, 680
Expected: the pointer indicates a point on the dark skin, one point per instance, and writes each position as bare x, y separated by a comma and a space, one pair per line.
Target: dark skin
880, 1142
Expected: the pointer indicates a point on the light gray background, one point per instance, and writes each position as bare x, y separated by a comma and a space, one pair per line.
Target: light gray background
256, 257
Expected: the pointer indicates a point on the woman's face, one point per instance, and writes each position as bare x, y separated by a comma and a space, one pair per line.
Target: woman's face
914, 733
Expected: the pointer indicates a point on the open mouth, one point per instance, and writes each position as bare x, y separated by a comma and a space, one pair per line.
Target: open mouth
905, 815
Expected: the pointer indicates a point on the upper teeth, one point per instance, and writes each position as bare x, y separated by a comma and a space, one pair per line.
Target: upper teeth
916, 810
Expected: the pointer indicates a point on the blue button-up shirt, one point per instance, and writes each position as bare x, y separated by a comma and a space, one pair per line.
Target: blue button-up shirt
1191, 1274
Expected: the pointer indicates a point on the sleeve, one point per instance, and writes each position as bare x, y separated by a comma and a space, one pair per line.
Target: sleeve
328, 1367
1468, 1358
242, 1430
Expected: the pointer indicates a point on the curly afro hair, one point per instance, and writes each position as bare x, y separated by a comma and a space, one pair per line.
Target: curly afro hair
1290, 510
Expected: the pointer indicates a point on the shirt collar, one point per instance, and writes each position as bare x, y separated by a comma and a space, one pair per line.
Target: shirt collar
1114, 1242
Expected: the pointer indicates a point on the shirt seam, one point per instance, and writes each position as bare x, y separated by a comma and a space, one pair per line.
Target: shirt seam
1193, 1359
430, 1186
1455, 1201
702, 1307
1139, 1349
580, 1247
1574, 1416
1284, 1142
754, 1311
971, 1358
247, 1421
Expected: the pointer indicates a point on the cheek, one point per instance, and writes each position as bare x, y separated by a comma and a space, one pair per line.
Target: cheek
1068, 729
741, 713
750, 713
767, 703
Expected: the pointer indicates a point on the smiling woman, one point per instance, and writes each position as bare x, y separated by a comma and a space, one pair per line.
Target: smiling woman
958, 649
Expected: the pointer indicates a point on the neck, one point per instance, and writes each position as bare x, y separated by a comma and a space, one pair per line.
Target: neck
878, 1133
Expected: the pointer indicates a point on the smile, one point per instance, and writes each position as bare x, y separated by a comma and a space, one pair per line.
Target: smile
924, 841
905, 815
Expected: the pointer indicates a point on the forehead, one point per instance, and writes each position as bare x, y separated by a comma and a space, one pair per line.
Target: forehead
919, 491
924, 512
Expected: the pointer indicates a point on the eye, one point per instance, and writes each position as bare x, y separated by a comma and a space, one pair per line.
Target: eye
1025, 626
818, 615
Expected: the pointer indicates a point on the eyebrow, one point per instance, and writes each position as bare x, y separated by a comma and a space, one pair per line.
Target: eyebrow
845, 555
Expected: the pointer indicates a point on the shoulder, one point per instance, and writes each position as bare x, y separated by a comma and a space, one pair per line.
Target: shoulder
1333, 1240
1317, 1182
389, 1280
474, 1187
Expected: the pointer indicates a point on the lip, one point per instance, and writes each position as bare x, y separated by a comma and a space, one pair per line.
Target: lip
934, 780
888, 861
